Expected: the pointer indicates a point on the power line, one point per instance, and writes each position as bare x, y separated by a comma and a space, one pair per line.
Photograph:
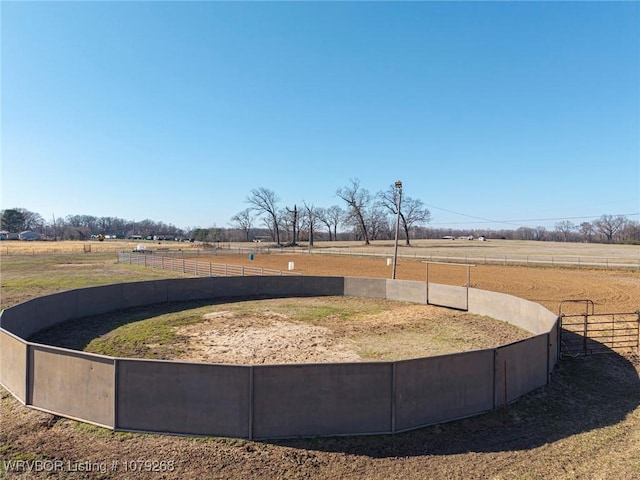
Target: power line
484, 220
518, 222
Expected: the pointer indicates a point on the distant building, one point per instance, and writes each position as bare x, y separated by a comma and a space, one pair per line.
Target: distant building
29, 236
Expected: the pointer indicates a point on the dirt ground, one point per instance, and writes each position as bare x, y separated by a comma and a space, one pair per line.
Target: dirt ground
270, 333
584, 425
611, 291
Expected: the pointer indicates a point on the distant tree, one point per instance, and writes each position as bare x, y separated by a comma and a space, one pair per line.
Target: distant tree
32, 220
269, 225
311, 220
212, 234
586, 229
565, 227
105, 225
526, 233
321, 215
379, 224
412, 211
265, 201
609, 225
13, 220
291, 217
146, 227
358, 201
243, 220
631, 232
331, 217
87, 222
200, 234
539, 233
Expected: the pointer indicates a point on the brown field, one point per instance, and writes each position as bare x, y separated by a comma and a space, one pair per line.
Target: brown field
585, 424
493, 251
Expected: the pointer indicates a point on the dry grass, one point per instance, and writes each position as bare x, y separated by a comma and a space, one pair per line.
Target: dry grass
418, 249
584, 425
289, 330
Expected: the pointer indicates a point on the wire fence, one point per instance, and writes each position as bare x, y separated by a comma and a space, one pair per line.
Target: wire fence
627, 261
590, 262
198, 268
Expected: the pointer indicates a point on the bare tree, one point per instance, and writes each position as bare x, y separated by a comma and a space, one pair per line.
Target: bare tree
265, 202
331, 218
609, 226
526, 233
379, 224
311, 220
243, 220
412, 210
358, 201
32, 220
413, 213
565, 227
586, 229
269, 225
539, 233
292, 219
631, 232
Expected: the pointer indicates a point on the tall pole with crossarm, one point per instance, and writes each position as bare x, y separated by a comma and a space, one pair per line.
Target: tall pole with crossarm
395, 248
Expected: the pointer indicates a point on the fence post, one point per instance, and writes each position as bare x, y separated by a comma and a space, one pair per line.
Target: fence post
585, 333
250, 403
393, 397
183, 267
210, 269
638, 344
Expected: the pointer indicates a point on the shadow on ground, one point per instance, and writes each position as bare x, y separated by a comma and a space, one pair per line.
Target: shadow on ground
584, 394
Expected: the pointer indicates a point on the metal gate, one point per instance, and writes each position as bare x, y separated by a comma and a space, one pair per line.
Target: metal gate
590, 333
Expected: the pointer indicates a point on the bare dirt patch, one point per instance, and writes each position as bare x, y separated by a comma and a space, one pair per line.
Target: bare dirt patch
264, 341
610, 290
272, 333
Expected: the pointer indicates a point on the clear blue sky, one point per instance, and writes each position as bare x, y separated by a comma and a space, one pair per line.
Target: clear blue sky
174, 111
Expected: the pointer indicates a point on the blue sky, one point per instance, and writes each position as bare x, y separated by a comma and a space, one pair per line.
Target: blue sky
494, 114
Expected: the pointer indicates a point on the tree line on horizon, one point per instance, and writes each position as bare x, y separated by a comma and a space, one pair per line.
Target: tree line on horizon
364, 217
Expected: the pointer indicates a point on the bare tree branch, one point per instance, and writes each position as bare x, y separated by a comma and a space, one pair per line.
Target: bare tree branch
264, 201
358, 200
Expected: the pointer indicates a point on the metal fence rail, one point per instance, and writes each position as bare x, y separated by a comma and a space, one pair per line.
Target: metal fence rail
573, 261
592, 333
197, 268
